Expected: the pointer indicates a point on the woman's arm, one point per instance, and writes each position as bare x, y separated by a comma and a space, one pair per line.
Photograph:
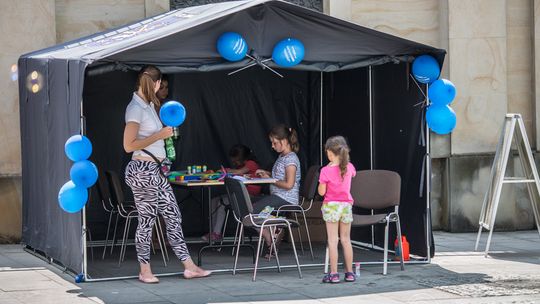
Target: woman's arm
131, 143
263, 173
290, 177
322, 189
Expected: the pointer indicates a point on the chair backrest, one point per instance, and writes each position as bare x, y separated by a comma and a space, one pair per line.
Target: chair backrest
103, 192
311, 181
376, 189
238, 198
116, 187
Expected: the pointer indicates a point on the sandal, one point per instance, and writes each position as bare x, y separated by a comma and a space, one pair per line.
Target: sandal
350, 277
331, 278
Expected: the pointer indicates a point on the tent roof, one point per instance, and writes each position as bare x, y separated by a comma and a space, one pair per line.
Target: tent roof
185, 39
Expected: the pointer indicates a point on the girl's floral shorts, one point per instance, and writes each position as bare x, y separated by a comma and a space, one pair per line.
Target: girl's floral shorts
334, 212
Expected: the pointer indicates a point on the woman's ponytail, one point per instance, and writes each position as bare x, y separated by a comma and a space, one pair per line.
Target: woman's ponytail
146, 81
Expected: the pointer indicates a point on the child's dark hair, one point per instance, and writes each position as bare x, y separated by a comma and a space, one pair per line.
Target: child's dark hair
241, 152
283, 132
148, 75
338, 146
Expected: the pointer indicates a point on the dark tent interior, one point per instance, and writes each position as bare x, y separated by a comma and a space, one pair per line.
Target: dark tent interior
241, 108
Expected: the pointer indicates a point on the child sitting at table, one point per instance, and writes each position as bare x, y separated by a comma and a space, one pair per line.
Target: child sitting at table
244, 163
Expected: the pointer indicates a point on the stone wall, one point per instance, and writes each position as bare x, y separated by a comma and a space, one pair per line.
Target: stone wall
490, 52
29, 25
26, 25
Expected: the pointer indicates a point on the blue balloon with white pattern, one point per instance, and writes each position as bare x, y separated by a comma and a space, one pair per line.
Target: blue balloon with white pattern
288, 52
426, 69
232, 46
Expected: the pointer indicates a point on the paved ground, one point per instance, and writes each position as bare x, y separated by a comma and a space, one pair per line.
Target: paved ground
457, 275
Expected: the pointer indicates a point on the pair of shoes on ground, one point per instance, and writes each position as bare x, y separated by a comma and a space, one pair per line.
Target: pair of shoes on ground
334, 277
214, 236
188, 274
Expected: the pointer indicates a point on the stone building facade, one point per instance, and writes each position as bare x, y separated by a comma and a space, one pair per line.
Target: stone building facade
492, 47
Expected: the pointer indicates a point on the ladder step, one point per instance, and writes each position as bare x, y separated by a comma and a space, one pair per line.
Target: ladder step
517, 180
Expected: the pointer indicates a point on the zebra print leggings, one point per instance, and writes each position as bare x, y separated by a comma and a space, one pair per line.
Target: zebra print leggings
153, 194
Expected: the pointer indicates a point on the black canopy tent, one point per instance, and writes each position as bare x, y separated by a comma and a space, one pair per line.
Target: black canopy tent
353, 81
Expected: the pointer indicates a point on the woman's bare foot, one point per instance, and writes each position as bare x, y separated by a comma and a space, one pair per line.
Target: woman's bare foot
193, 271
146, 275
198, 273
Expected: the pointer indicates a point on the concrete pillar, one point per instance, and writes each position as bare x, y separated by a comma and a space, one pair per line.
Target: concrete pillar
338, 8
478, 68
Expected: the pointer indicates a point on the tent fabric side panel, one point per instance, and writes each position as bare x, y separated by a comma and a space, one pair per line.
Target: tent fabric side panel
396, 131
48, 118
399, 145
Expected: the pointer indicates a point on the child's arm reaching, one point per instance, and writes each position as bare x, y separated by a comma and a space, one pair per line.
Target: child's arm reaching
239, 171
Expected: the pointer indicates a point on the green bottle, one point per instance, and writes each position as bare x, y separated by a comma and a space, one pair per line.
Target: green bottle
169, 149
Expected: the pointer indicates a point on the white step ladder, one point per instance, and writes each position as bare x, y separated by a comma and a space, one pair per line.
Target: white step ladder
513, 130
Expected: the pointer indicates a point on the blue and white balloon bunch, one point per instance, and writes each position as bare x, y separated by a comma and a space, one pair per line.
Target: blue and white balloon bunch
73, 195
287, 52
440, 117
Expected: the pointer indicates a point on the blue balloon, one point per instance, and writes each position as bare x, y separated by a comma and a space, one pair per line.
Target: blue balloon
72, 198
172, 113
288, 52
84, 173
78, 147
441, 119
232, 46
442, 92
426, 69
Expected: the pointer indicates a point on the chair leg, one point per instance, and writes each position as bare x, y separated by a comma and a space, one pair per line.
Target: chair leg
398, 228
125, 241
237, 250
299, 233
90, 239
107, 235
237, 236
273, 237
163, 233
126, 227
385, 257
258, 253
114, 233
224, 226
161, 242
308, 236
294, 250
326, 260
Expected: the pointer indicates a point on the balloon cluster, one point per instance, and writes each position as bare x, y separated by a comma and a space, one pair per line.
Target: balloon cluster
287, 52
73, 195
440, 118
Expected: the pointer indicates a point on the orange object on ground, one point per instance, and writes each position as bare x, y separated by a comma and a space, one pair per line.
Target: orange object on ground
405, 245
